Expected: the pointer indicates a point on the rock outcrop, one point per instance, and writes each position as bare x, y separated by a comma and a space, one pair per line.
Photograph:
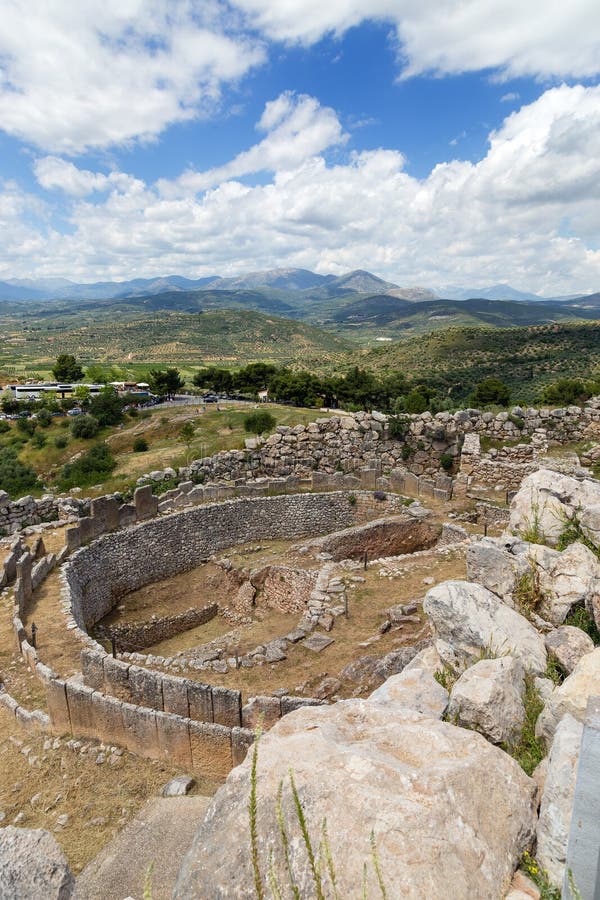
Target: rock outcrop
469, 620
450, 813
567, 645
547, 500
32, 866
571, 696
557, 799
413, 689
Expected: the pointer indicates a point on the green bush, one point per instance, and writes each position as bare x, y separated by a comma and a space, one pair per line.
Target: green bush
44, 418
39, 440
4, 426
15, 477
85, 427
140, 445
259, 422
398, 426
490, 391
93, 466
26, 426
446, 461
61, 441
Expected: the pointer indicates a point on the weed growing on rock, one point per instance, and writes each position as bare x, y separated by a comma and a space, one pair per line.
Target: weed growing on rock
554, 671
532, 532
573, 532
530, 750
321, 863
539, 877
447, 677
528, 593
581, 618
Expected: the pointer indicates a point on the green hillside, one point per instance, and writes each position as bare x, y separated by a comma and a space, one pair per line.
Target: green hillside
526, 359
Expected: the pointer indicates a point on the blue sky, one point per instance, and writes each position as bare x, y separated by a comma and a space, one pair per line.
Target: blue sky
431, 143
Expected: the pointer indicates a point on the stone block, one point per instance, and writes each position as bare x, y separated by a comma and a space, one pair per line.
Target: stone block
261, 711
146, 505
145, 687
368, 479
24, 565
92, 668
227, 706
173, 735
211, 749
108, 718
105, 511
411, 484
200, 701
58, 707
10, 566
81, 713
441, 494
425, 488
175, 696
139, 726
73, 538
127, 515
116, 678
289, 704
88, 529
241, 740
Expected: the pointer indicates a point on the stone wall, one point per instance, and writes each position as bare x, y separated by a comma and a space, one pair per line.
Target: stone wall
116, 564
132, 636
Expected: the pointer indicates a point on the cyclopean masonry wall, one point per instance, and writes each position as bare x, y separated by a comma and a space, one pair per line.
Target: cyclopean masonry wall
345, 443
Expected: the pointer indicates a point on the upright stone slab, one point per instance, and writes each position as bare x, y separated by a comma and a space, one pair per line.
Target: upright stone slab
73, 538
108, 719
116, 678
200, 701
173, 735
24, 565
175, 696
411, 484
241, 740
211, 749
88, 529
139, 724
583, 851
92, 668
227, 706
105, 511
368, 479
146, 505
79, 698
58, 708
145, 687
127, 515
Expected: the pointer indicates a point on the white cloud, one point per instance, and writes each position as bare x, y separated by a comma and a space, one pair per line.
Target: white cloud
100, 72
536, 37
297, 129
528, 213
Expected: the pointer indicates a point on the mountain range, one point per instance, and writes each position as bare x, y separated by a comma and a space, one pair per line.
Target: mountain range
310, 285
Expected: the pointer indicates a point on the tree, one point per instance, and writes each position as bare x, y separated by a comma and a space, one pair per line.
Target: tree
83, 395
107, 406
259, 422
165, 382
85, 427
491, 391
214, 378
566, 392
66, 368
15, 477
186, 435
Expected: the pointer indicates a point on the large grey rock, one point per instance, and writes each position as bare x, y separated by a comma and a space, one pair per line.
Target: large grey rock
32, 866
413, 689
571, 696
451, 814
557, 800
547, 499
565, 579
491, 563
468, 619
489, 698
567, 645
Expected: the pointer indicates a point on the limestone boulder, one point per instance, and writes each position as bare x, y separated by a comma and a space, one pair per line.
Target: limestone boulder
450, 813
489, 698
32, 866
493, 563
468, 619
565, 579
571, 696
567, 645
557, 799
413, 689
547, 499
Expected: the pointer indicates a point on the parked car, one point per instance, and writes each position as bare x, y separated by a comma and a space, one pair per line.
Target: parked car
75, 411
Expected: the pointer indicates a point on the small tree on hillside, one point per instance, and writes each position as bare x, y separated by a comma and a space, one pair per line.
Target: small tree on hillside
259, 422
491, 391
165, 382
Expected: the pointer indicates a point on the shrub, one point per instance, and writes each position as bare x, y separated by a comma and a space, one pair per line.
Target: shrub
96, 464
406, 452
61, 441
581, 618
140, 445
259, 422
38, 440
530, 750
15, 477
398, 427
44, 418
491, 391
26, 426
85, 427
4, 426
446, 461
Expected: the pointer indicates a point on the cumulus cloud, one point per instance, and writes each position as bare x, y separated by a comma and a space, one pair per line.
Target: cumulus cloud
528, 212
297, 127
102, 72
537, 38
